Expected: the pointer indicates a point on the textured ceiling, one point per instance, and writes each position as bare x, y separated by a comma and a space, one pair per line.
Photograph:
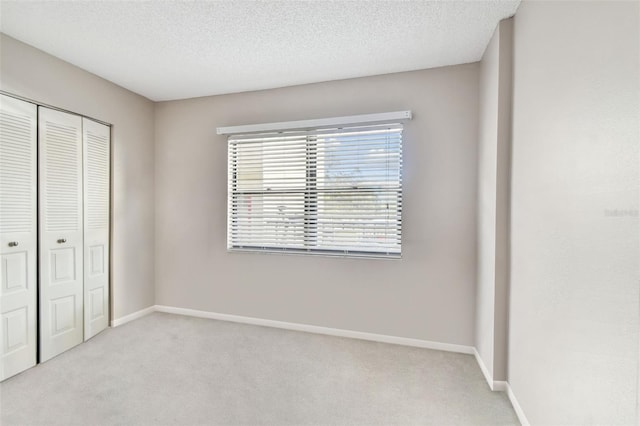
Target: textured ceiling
175, 49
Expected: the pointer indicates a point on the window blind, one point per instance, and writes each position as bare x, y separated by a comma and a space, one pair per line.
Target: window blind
331, 191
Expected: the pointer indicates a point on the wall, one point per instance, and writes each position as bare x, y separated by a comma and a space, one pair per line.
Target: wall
31, 73
494, 160
429, 294
573, 332
503, 200
487, 172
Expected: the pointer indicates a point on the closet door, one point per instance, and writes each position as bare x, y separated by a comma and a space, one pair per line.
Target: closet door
96, 139
61, 243
18, 235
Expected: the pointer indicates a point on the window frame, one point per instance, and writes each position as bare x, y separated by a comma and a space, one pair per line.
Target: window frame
311, 193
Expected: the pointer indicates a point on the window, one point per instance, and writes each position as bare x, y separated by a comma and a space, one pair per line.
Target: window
334, 191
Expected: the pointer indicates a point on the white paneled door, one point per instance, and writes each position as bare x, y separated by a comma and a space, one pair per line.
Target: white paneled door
18, 235
96, 139
61, 231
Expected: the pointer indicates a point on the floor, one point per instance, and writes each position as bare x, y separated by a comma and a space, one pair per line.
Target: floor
170, 369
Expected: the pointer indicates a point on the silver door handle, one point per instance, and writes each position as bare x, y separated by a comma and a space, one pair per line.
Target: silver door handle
13, 244
62, 240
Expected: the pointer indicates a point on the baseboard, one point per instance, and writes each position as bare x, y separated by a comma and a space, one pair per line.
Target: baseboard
494, 385
405, 341
127, 318
516, 406
501, 386
484, 369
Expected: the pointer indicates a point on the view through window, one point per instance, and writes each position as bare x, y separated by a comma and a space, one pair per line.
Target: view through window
330, 191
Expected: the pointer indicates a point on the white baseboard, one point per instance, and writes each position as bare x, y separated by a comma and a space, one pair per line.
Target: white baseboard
501, 386
484, 369
405, 341
494, 385
516, 407
127, 318
449, 347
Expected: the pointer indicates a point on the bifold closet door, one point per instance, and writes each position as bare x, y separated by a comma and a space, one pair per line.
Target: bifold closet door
18, 235
96, 140
61, 231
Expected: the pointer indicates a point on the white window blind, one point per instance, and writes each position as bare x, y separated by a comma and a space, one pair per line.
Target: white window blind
326, 191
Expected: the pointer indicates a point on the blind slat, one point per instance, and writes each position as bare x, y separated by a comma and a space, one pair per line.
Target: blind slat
324, 191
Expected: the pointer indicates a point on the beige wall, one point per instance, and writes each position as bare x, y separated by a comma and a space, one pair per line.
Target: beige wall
487, 173
503, 200
429, 294
31, 73
573, 337
494, 161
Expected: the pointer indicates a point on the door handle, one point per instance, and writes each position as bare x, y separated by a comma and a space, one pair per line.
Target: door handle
62, 240
13, 244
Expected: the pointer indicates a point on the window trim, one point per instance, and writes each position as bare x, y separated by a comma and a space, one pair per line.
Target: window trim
317, 123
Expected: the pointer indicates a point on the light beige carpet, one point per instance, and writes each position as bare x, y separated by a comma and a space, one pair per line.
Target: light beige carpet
170, 369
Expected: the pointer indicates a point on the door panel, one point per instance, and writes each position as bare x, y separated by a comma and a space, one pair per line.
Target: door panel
63, 265
17, 335
61, 232
14, 272
63, 314
18, 235
96, 139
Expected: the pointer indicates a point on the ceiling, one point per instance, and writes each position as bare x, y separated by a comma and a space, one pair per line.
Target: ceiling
175, 49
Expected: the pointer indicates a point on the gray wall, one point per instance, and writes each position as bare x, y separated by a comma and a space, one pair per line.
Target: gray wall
33, 74
429, 294
503, 200
494, 161
573, 338
487, 173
